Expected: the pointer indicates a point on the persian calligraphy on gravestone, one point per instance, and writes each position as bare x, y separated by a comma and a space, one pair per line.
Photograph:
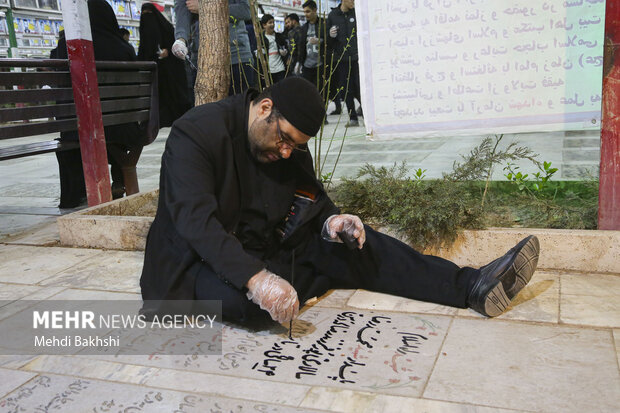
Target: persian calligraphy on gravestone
360, 350
480, 66
51, 393
365, 350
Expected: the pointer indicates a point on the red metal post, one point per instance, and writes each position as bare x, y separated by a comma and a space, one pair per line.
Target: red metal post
86, 96
609, 175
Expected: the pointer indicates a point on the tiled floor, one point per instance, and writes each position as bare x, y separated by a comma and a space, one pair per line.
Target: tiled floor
556, 350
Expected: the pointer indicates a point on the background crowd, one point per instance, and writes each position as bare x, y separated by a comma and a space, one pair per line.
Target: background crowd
323, 50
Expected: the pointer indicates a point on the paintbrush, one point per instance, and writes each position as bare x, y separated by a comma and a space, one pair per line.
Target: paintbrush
290, 326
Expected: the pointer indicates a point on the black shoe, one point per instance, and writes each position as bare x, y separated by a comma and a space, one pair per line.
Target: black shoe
502, 279
336, 111
325, 122
352, 123
360, 112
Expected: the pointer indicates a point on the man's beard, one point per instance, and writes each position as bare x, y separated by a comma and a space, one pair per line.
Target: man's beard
258, 132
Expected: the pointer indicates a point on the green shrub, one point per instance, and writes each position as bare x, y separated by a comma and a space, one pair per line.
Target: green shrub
429, 213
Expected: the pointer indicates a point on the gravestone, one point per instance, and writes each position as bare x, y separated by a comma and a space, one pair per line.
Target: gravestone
76, 395
359, 350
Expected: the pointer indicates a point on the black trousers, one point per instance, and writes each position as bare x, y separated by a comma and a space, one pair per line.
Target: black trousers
311, 74
349, 80
384, 265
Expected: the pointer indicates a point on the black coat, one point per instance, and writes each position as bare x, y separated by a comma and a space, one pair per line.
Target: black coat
157, 33
303, 40
347, 28
203, 183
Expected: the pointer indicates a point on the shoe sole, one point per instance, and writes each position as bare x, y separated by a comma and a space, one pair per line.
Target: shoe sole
496, 301
524, 265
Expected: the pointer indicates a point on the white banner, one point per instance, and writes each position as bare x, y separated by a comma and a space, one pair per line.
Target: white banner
465, 67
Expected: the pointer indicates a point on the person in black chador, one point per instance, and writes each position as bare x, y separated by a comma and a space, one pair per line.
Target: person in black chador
108, 45
239, 202
156, 39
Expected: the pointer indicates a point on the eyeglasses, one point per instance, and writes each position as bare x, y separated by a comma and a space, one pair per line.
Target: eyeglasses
288, 142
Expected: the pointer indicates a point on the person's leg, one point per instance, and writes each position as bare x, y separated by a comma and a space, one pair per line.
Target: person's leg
355, 77
235, 304
335, 94
190, 72
276, 77
389, 266
311, 75
235, 80
248, 75
72, 186
118, 182
344, 81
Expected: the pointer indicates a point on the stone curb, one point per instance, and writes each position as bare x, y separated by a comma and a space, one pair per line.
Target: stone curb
570, 250
106, 227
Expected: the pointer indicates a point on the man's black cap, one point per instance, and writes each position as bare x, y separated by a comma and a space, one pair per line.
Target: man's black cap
300, 103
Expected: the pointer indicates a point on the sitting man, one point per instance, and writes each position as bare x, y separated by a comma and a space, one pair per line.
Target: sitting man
239, 206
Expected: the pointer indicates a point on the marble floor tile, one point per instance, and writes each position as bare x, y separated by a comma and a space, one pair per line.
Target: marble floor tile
29, 201
83, 294
515, 365
261, 391
40, 293
592, 300
110, 271
31, 265
11, 292
82, 366
334, 299
12, 379
77, 395
46, 235
35, 189
14, 224
373, 351
13, 362
347, 401
538, 301
385, 302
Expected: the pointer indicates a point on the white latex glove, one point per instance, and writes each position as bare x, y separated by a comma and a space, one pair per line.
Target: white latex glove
315, 40
351, 224
297, 69
179, 49
283, 52
274, 295
333, 31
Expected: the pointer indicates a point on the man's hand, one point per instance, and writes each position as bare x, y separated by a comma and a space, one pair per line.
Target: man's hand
179, 49
192, 6
351, 224
162, 54
333, 31
313, 40
274, 295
